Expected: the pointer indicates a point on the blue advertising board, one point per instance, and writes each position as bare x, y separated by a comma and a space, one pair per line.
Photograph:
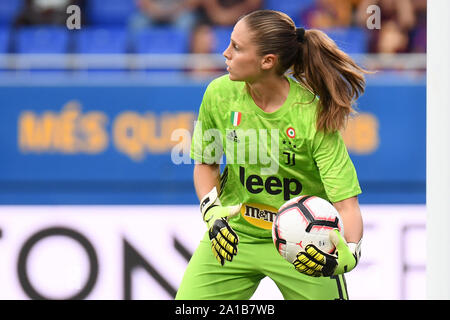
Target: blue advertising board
93, 143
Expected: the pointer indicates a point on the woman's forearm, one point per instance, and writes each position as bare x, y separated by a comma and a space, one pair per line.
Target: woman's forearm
351, 217
206, 177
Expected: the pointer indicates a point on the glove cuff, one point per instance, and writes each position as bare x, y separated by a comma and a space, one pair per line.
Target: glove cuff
210, 200
355, 249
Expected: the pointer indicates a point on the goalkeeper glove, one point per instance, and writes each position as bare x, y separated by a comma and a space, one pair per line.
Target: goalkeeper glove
316, 263
224, 240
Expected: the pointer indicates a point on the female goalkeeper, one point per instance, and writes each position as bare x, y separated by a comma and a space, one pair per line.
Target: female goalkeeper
281, 139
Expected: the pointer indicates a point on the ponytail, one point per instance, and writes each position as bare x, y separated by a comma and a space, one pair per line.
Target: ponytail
315, 61
331, 75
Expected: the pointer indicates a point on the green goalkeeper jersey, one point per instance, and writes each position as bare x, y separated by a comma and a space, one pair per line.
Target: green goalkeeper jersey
270, 157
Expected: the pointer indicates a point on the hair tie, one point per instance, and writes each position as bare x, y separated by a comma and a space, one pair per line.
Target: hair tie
300, 34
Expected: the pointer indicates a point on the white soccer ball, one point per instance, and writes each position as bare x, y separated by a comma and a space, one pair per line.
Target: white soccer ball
305, 220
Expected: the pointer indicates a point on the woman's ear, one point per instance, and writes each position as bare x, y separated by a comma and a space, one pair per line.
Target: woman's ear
268, 61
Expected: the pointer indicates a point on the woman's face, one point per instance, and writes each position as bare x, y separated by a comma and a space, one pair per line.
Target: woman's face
242, 59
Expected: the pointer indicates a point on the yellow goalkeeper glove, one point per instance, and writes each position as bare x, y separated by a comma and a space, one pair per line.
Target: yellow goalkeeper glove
224, 240
316, 263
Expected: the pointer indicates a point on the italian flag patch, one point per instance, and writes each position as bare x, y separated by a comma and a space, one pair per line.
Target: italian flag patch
236, 118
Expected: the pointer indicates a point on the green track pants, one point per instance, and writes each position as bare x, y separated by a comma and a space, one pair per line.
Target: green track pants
206, 279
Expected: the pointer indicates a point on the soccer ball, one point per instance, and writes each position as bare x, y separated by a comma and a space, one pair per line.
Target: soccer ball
305, 220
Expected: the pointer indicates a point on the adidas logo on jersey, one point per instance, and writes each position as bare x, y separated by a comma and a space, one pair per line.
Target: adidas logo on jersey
232, 136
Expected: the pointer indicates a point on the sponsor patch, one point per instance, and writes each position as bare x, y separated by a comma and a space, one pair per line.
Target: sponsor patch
259, 215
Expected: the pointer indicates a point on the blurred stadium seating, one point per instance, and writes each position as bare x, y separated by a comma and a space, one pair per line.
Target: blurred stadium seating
9, 10
4, 40
106, 30
222, 38
42, 39
101, 40
116, 12
291, 8
162, 40
351, 40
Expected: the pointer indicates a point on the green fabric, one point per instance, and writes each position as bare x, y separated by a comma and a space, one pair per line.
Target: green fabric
322, 165
346, 260
206, 279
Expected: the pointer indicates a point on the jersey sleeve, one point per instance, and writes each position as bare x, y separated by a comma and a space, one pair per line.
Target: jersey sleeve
207, 143
336, 169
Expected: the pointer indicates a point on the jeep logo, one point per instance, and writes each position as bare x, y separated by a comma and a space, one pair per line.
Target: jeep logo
273, 185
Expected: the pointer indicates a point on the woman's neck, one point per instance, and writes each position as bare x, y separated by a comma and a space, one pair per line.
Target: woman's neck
269, 94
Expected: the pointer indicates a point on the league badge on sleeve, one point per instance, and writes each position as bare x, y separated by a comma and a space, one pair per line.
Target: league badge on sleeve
290, 132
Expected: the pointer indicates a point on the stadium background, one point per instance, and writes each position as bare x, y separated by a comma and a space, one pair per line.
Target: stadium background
96, 191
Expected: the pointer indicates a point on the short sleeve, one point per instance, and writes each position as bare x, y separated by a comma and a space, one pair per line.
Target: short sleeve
336, 169
206, 145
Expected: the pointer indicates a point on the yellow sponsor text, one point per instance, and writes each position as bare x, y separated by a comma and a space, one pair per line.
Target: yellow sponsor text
361, 136
69, 131
136, 134
259, 215
72, 131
